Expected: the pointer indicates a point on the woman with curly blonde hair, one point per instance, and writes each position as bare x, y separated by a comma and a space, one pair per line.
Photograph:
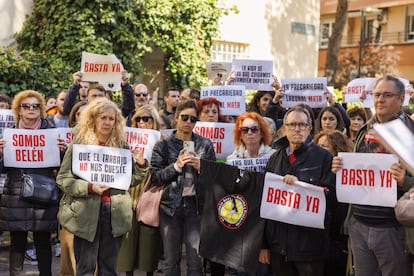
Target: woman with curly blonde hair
97, 214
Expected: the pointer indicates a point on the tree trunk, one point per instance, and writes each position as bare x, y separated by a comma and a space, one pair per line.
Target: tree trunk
334, 44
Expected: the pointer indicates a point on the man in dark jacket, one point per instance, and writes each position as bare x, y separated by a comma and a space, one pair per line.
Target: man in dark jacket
183, 196
292, 249
377, 238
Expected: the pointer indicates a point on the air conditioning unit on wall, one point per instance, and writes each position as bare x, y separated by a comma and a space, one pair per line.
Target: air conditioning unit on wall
382, 17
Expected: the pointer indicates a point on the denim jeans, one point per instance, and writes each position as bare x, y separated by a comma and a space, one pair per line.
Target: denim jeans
103, 250
182, 227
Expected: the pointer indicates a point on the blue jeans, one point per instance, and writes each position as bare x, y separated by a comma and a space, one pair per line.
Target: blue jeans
182, 227
102, 251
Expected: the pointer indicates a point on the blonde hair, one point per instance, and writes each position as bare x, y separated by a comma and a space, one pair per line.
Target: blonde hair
153, 113
86, 127
24, 95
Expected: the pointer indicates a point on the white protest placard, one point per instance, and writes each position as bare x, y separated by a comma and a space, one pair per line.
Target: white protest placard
66, 134
103, 165
220, 134
101, 68
6, 120
398, 139
28, 148
304, 90
251, 164
232, 98
299, 203
357, 88
253, 74
142, 139
218, 70
407, 90
365, 179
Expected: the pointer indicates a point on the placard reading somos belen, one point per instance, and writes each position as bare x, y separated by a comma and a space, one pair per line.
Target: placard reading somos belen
103, 165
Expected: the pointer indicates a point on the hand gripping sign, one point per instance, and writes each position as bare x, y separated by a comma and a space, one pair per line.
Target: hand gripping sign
299, 203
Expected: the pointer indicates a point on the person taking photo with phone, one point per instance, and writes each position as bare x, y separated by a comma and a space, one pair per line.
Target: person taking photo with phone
183, 197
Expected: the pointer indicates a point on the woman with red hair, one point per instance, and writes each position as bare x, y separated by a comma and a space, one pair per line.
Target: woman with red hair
252, 137
210, 110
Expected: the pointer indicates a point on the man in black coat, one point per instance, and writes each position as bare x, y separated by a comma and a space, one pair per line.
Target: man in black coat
293, 249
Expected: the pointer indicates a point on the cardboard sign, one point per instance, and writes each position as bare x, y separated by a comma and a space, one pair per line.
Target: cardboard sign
365, 179
221, 134
253, 74
251, 164
27, 148
6, 120
219, 70
103, 165
101, 68
299, 203
232, 98
142, 139
304, 90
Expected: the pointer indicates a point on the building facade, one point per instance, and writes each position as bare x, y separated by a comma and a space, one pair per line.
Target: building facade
372, 22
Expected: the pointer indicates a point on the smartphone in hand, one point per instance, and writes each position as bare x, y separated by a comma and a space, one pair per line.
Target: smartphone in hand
188, 146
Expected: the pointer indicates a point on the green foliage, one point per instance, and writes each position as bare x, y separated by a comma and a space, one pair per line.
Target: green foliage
55, 34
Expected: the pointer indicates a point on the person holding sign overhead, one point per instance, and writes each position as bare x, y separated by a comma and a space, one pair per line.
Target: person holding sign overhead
293, 249
141, 248
17, 215
96, 214
377, 238
183, 198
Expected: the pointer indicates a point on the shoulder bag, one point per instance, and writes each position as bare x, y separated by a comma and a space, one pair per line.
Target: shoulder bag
39, 188
148, 205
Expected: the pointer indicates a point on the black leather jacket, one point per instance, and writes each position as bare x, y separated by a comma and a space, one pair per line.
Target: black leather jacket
164, 155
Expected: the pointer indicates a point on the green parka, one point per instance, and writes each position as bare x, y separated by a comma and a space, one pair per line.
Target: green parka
79, 210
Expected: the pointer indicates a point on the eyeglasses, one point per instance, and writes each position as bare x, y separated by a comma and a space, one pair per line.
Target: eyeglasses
30, 105
292, 126
385, 95
145, 119
185, 118
141, 94
253, 129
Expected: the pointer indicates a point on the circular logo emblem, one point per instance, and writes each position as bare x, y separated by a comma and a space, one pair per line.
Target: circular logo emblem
232, 211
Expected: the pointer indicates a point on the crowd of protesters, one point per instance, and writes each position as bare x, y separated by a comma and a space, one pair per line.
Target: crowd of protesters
97, 227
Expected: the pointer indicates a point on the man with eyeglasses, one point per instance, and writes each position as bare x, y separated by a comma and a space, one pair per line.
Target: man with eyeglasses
183, 197
377, 238
293, 249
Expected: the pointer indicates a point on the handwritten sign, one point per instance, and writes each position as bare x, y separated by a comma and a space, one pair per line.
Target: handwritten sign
299, 203
252, 164
253, 74
6, 120
219, 70
101, 68
304, 90
221, 134
142, 139
231, 97
365, 179
357, 88
27, 148
103, 165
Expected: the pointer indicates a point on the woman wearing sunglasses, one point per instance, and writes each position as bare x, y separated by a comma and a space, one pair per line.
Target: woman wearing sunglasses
141, 247
183, 198
252, 137
17, 215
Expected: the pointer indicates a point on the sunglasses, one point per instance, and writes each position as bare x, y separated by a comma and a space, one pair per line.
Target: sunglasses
185, 118
141, 94
30, 105
253, 129
145, 119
